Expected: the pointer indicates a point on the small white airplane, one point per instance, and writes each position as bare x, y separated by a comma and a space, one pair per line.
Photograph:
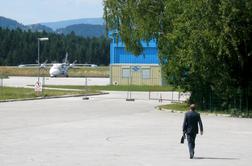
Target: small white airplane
61, 69
58, 69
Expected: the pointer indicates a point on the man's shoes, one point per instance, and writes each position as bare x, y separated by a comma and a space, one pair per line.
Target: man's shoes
191, 155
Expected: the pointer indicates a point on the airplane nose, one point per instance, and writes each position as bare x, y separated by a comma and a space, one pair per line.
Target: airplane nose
52, 72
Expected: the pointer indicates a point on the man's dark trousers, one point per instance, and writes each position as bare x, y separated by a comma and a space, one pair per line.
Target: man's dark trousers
191, 143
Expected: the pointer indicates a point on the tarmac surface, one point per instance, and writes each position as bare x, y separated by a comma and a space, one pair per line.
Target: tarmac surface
15, 81
109, 131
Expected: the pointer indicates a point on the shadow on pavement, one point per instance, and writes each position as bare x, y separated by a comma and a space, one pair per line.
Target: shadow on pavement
215, 158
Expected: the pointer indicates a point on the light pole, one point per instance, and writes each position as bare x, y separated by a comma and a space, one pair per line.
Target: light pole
40, 39
39, 66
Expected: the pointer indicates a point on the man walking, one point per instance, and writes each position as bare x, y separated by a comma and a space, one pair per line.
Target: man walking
190, 128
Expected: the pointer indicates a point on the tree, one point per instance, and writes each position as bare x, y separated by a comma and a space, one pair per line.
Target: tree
204, 46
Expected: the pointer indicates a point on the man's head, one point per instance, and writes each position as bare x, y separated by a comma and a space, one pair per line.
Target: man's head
192, 107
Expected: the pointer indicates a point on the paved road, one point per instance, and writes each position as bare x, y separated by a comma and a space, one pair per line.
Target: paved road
108, 131
24, 81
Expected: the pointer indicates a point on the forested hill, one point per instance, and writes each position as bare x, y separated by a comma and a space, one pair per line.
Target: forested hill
83, 30
20, 47
39, 28
63, 24
10, 24
81, 27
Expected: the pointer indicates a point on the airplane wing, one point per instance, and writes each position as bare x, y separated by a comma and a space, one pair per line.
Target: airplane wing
85, 65
43, 65
27, 65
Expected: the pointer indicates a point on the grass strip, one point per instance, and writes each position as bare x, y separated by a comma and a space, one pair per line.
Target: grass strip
183, 107
23, 93
3, 77
175, 107
101, 71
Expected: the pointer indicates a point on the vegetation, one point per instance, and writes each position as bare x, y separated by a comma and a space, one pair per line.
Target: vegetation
176, 107
119, 88
89, 72
182, 107
73, 72
3, 76
21, 93
21, 47
204, 46
11, 24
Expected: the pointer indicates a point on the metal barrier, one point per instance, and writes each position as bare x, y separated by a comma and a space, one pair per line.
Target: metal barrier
172, 96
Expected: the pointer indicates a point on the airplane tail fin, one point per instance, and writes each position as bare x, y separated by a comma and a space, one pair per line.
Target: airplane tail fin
66, 58
73, 64
43, 65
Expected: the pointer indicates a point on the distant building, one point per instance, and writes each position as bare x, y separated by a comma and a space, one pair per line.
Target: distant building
128, 69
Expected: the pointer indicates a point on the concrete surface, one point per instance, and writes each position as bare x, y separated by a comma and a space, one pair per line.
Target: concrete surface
108, 131
24, 81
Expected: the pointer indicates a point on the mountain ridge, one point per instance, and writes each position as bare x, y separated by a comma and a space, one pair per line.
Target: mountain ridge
87, 27
84, 30
64, 23
10, 23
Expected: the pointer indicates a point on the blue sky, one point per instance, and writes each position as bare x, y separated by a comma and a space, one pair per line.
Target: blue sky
35, 11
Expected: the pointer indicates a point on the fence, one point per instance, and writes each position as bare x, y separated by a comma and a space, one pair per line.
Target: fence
238, 102
171, 96
1, 81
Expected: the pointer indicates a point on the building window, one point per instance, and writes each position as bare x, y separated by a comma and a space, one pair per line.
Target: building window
146, 73
125, 73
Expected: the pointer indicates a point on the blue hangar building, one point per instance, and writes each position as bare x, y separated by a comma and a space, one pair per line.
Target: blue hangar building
129, 69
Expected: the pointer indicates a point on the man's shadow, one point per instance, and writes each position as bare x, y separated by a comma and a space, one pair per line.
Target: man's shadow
215, 158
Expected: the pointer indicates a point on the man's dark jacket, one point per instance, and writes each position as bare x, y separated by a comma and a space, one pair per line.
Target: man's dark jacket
190, 125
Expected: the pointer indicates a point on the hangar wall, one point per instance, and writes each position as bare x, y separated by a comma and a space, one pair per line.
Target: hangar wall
135, 74
129, 69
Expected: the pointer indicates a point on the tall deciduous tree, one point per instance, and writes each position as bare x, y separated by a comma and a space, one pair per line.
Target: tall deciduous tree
204, 46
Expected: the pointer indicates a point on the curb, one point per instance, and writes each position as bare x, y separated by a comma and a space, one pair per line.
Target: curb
52, 97
182, 112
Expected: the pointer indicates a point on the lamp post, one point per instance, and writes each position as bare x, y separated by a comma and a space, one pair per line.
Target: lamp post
40, 39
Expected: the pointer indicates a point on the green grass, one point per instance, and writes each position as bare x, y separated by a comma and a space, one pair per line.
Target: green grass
21, 93
185, 107
119, 88
101, 71
176, 107
3, 77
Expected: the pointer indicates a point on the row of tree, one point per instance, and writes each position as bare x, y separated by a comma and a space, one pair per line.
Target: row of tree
20, 47
205, 46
